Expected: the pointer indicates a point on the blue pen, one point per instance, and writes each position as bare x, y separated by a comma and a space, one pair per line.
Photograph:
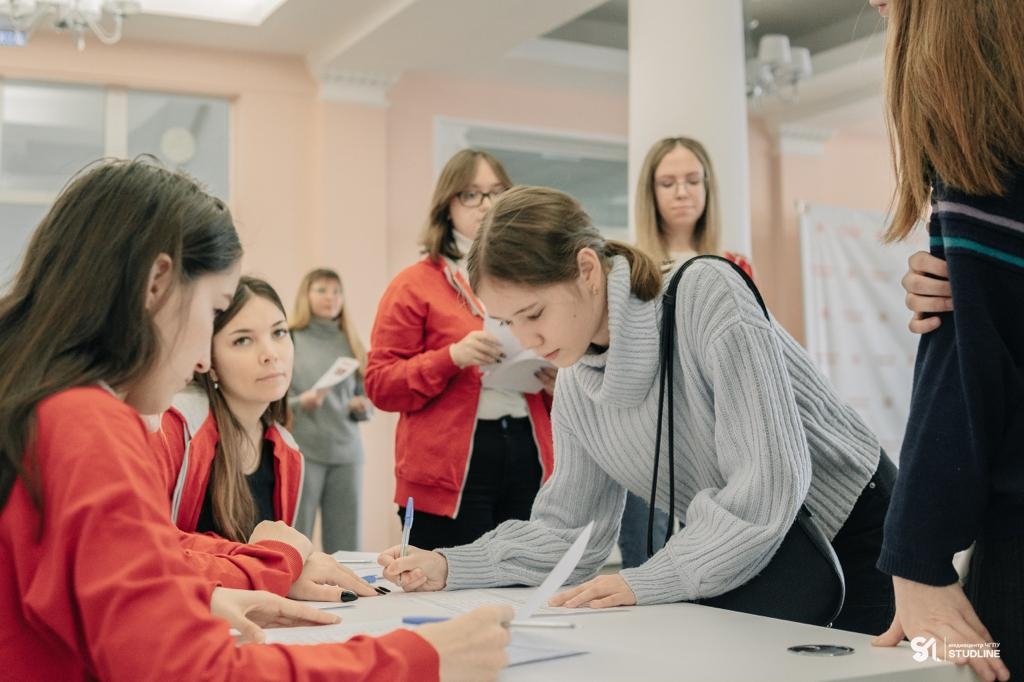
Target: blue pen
406, 528
422, 620
539, 623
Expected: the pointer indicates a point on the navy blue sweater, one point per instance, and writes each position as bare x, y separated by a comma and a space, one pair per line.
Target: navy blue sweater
962, 463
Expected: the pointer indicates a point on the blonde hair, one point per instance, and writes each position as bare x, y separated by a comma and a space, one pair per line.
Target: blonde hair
531, 236
437, 239
301, 314
954, 82
650, 233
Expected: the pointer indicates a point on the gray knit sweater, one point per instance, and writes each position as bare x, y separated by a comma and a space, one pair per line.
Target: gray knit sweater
757, 430
326, 435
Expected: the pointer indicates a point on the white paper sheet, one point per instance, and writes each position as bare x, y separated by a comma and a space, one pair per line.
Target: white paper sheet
339, 371
524, 647
326, 605
517, 371
558, 575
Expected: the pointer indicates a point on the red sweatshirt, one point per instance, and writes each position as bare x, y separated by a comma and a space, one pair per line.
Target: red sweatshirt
425, 309
96, 587
190, 437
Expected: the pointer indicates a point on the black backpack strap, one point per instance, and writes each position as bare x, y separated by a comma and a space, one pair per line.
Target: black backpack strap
667, 346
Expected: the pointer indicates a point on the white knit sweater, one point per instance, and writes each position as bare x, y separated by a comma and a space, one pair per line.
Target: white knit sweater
757, 430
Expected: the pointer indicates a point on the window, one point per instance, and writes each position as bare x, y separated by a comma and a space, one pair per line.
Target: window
591, 169
50, 131
190, 133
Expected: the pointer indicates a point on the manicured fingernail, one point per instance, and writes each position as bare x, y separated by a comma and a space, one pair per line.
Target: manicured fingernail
348, 595
382, 590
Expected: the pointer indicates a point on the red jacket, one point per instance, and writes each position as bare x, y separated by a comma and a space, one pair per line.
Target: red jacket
190, 436
96, 587
427, 308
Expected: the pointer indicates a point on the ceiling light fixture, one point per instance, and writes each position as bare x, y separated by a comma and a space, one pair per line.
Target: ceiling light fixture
777, 68
77, 17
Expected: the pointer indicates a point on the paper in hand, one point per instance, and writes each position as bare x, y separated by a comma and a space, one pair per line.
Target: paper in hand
558, 575
517, 372
341, 369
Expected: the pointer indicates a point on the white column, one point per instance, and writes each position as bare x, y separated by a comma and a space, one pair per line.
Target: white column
686, 77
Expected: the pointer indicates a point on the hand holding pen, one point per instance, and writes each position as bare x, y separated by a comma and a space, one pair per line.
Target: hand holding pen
419, 570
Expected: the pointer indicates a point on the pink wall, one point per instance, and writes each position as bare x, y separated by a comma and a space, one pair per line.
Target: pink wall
853, 171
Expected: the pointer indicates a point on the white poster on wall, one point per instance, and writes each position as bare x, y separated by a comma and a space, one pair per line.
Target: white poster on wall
854, 313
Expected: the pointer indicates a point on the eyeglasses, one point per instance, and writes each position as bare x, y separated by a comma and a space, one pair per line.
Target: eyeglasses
472, 198
670, 184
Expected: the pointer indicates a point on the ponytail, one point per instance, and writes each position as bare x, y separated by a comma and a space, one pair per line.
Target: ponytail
532, 235
644, 274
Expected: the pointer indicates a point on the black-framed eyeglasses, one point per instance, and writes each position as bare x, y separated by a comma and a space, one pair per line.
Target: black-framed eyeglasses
471, 198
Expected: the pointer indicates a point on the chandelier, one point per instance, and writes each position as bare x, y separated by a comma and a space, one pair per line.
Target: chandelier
103, 18
777, 68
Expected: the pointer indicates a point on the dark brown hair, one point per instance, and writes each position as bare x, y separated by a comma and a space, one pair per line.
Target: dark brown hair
456, 176
75, 314
531, 236
954, 82
234, 510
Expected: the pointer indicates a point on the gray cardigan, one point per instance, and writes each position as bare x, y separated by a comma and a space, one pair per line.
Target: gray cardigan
757, 430
326, 435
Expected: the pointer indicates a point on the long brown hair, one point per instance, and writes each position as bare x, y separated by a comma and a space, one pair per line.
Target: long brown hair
234, 510
531, 236
301, 314
437, 239
650, 232
954, 79
75, 314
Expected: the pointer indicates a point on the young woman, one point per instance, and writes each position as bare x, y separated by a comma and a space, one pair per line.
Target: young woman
108, 317
326, 420
677, 218
676, 212
471, 456
229, 462
958, 146
758, 430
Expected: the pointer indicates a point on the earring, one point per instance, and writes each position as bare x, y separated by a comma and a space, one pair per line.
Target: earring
216, 386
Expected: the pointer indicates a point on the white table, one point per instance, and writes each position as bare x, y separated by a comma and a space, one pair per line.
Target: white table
679, 641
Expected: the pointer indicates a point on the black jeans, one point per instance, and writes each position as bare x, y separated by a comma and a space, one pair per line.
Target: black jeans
995, 586
503, 478
870, 605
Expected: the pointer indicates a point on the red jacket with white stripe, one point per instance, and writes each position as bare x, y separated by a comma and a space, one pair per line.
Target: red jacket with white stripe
192, 436
185, 445
426, 308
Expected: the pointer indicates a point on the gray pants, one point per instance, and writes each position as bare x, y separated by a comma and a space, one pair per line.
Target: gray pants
335, 489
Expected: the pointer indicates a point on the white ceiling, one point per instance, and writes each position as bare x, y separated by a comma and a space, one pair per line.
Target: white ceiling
565, 43
297, 27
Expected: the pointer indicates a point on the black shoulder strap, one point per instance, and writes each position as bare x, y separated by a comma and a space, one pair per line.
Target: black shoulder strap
668, 342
